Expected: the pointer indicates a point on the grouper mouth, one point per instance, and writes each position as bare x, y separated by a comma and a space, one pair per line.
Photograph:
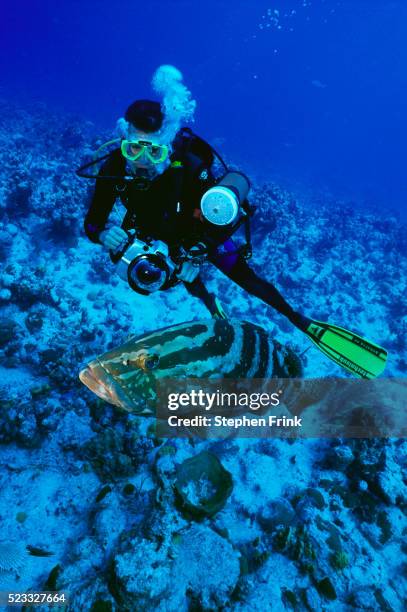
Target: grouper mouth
102, 384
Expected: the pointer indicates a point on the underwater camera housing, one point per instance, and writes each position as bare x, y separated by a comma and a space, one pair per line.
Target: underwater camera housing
147, 266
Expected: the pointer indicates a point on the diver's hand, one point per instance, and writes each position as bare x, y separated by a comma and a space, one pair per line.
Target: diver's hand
113, 238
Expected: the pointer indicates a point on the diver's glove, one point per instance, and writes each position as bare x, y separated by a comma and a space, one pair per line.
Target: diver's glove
113, 238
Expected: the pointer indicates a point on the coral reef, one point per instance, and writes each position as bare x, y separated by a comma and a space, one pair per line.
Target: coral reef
202, 485
145, 579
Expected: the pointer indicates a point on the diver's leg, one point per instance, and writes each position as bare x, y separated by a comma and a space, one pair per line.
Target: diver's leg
197, 289
237, 269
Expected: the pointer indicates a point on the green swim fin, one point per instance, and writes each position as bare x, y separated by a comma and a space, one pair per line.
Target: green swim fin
347, 349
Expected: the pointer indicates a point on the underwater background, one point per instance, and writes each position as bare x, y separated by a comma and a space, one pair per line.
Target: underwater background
311, 92
307, 98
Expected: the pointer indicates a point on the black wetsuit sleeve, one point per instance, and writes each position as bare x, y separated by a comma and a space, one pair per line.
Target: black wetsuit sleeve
199, 178
102, 200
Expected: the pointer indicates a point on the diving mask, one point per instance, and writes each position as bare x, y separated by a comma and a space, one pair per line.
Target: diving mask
134, 149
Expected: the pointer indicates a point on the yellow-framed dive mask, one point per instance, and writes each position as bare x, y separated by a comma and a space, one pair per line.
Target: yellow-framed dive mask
134, 149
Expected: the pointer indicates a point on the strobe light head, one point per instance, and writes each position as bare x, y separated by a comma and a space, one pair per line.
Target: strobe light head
221, 204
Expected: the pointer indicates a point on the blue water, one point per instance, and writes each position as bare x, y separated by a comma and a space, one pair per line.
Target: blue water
311, 93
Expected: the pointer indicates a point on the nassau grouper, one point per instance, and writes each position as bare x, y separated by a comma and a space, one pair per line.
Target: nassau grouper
213, 348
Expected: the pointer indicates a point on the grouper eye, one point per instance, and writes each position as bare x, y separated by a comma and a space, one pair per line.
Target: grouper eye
144, 361
151, 362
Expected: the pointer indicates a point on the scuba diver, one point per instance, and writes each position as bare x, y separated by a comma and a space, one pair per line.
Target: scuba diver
179, 215
163, 201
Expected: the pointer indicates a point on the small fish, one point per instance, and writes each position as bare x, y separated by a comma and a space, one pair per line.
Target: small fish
215, 348
38, 552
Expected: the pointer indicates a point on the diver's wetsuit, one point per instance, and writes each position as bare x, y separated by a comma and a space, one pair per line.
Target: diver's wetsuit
169, 211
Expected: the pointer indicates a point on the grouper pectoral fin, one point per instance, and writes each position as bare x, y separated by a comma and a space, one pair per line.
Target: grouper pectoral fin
352, 352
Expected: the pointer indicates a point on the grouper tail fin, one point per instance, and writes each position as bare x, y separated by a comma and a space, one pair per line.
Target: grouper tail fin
352, 352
